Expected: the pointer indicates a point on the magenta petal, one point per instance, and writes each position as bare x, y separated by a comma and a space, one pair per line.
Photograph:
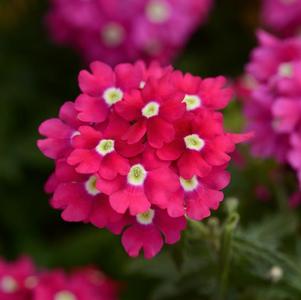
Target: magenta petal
147, 238
53, 148
55, 128
171, 151
110, 186
159, 132
102, 213
89, 84
91, 109
132, 198
68, 114
170, 227
135, 132
86, 161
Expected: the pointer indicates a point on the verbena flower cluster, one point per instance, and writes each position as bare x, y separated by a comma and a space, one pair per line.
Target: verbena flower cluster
282, 16
272, 99
20, 280
138, 150
118, 31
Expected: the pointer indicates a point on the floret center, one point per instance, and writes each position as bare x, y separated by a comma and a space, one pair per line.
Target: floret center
137, 175
112, 95
151, 109
189, 185
146, 218
194, 142
90, 186
105, 147
192, 102
64, 295
157, 11
285, 70
112, 34
8, 285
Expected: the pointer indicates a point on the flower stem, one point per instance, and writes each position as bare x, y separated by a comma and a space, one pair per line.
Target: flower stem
225, 253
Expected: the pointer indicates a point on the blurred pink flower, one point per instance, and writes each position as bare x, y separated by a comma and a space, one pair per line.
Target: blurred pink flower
273, 105
282, 16
17, 279
85, 284
118, 31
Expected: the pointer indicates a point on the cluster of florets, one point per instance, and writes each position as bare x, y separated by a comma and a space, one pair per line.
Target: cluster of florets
282, 16
272, 99
20, 280
138, 150
118, 31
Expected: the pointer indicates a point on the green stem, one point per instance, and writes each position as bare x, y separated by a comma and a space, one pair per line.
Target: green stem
225, 254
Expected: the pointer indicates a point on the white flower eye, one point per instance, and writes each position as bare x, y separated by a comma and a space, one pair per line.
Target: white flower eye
192, 102
105, 147
112, 95
90, 186
113, 34
151, 109
8, 285
189, 185
285, 70
146, 218
157, 11
194, 142
137, 175
64, 295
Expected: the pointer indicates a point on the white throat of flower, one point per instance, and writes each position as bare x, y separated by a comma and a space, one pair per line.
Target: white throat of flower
194, 142
142, 84
157, 11
285, 70
146, 218
64, 295
151, 109
105, 147
192, 102
8, 285
113, 34
189, 185
112, 95
137, 175
90, 186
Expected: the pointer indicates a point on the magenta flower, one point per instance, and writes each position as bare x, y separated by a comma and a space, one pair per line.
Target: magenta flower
86, 284
148, 231
78, 197
119, 31
143, 156
273, 103
282, 16
17, 279
21, 281
59, 132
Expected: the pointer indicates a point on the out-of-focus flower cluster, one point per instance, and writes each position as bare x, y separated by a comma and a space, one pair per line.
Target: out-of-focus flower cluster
271, 90
282, 16
140, 149
21, 280
118, 31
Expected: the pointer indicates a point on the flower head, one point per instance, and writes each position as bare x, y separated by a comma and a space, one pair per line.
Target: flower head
117, 31
273, 105
149, 149
282, 16
17, 279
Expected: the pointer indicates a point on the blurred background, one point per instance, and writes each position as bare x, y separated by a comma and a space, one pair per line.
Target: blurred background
37, 76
